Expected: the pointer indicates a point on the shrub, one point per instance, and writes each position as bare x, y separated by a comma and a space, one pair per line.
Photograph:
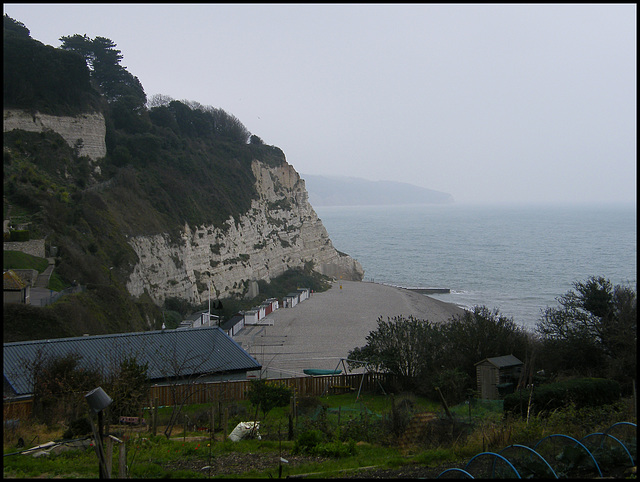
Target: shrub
313, 442
307, 441
335, 449
77, 427
581, 392
19, 235
308, 405
268, 396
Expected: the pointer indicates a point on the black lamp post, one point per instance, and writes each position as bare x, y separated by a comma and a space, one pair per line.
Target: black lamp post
98, 400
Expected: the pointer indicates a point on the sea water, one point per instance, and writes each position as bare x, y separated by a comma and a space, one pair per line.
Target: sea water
517, 260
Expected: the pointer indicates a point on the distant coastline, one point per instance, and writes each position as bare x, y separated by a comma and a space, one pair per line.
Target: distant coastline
352, 191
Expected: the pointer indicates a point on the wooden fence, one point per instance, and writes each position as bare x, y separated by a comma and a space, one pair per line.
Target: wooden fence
237, 390
17, 410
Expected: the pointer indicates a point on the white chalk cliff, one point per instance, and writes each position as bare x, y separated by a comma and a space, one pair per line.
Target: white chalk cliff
280, 231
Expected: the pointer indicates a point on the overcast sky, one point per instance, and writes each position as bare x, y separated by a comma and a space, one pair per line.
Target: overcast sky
490, 103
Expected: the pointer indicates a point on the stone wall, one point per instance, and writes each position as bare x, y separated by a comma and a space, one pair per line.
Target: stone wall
89, 129
34, 247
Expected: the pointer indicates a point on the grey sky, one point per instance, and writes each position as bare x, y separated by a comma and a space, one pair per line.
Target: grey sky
491, 103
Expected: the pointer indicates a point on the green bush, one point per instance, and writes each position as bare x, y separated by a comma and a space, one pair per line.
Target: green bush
335, 449
77, 428
307, 442
19, 235
580, 392
313, 442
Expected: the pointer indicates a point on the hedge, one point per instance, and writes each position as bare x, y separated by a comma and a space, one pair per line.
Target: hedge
583, 392
19, 235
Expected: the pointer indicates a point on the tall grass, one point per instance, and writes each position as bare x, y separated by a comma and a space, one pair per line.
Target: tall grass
186, 453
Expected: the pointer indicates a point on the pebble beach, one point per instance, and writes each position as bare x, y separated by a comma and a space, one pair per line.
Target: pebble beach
319, 331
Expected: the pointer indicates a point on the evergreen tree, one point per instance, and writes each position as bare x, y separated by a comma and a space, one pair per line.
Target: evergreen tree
103, 60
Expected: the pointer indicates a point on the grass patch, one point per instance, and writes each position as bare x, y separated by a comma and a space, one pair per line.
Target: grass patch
56, 283
20, 260
184, 456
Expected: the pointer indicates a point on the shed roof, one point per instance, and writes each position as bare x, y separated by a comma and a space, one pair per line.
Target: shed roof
502, 361
11, 281
169, 354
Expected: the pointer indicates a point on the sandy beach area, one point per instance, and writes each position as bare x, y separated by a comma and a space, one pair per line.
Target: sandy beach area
322, 329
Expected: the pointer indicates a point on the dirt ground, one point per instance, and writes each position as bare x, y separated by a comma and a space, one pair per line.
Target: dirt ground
235, 464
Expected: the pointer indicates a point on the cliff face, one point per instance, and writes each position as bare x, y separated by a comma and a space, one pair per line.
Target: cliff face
87, 131
281, 231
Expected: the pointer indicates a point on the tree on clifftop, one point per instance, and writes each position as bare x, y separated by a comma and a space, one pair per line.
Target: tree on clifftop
103, 60
40, 77
14, 27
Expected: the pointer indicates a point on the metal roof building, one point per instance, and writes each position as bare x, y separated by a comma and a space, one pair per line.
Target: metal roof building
207, 353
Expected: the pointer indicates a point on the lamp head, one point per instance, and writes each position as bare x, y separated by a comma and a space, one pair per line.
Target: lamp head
98, 400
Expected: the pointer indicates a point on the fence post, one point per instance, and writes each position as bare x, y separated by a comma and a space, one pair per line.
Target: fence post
212, 423
155, 416
122, 461
109, 457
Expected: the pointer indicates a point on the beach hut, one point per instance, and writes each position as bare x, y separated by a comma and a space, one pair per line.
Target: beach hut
251, 317
497, 376
270, 305
233, 325
291, 300
304, 293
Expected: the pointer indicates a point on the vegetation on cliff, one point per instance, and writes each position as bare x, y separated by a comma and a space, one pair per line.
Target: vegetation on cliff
168, 162
41, 78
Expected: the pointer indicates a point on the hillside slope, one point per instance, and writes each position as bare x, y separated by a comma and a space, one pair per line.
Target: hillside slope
152, 202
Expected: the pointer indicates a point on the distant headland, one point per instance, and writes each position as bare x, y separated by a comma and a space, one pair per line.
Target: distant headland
352, 191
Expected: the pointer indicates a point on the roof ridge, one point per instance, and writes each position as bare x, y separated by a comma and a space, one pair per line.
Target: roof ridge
105, 335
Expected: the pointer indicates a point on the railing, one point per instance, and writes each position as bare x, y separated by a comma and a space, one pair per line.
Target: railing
56, 295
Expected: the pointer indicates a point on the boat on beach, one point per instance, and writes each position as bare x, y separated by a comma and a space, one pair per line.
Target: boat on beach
319, 371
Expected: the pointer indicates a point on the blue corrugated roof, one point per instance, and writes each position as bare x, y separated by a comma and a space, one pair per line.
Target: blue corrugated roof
169, 353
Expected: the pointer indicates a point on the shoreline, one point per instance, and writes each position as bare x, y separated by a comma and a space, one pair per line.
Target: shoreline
318, 332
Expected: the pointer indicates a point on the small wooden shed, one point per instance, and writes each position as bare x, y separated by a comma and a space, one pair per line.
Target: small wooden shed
498, 376
15, 288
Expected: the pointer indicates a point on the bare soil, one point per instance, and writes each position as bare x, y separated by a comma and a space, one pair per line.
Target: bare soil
239, 463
